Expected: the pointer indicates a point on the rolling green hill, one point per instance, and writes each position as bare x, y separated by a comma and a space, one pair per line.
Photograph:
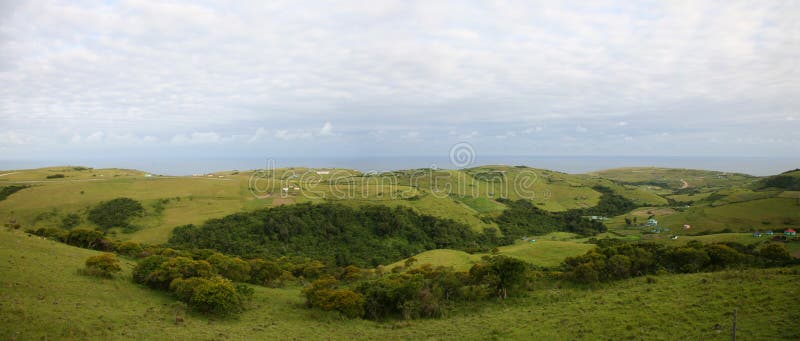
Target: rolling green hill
43, 297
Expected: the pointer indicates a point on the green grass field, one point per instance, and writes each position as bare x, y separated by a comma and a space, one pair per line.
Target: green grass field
43, 297
547, 251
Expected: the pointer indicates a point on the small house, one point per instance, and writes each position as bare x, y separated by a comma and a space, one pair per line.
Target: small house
652, 222
687, 226
323, 172
769, 233
756, 234
790, 232
532, 241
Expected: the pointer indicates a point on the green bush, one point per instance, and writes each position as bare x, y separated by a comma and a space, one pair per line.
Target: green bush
105, 265
172, 268
115, 213
217, 296
129, 248
55, 176
88, 239
323, 294
70, 220
264, 272
147, 266
232, 268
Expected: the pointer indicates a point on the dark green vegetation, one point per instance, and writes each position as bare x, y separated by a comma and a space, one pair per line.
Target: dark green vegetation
420, 293
610, 204
333, 233
522, 218
787, 180
115, 213
615, 260
9, 190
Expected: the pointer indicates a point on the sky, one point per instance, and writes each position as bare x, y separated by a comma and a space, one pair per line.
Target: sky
139, 79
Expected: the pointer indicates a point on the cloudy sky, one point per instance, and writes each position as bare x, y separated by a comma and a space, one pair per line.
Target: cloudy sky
364, 78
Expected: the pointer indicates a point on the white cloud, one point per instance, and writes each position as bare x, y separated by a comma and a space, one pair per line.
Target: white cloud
196, 138
155, 71
14, 138
287, 135
531, 130
326, 130
95, 137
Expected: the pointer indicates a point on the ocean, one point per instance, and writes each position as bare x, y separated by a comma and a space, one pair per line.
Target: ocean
569, 164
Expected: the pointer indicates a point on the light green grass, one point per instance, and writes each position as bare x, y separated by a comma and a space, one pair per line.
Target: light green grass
772, 213
543, 252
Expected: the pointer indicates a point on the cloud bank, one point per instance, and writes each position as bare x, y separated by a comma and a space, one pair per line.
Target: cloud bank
399, 77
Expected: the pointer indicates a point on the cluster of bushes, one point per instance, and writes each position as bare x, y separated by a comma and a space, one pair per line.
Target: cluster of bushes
333, 233
610, 204
614, 259
55, 176
212, 282
523, 218
195, 282
115, 213
6, 191
85, 238
419, 293
783, 181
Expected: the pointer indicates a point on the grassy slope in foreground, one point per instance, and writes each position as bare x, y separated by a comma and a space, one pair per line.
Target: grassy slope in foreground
42, 296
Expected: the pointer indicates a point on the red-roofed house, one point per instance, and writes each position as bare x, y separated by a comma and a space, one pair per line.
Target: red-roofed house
790, 232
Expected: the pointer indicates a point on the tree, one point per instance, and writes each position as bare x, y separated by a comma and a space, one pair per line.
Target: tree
105, 265
115, 213
509, 272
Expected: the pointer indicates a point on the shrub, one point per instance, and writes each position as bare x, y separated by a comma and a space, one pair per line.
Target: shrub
129, 248
55, 176
217, 296
184, 288
233, 268
115, 213
105, 265
178, 267
775, 254
89, 239
264, 272
70, 220
346, 302
146, 266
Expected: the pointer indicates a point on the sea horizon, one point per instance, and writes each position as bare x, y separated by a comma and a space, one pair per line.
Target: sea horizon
758, 166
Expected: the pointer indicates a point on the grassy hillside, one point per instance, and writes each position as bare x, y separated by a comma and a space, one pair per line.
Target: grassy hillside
675, 178
542, 253
44, 297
